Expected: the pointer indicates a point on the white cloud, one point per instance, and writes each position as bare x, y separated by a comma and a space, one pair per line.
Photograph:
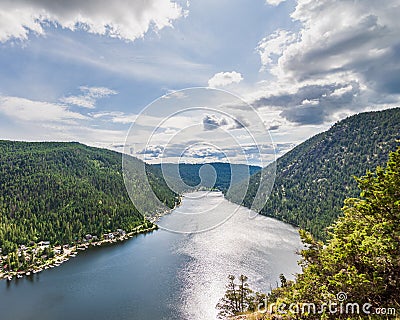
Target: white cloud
124, 118
206, 152
30, 120
17, 23
213, 122
341, 91
174, 94
274, 45
115, 117
152, 151
225, 78
345, 56
274, 2
89, 97
97, 92
315, 102
355, 37
122, 19
81, 101
28, 110
106, 114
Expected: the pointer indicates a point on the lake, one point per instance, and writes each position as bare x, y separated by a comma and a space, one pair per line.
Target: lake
163, 274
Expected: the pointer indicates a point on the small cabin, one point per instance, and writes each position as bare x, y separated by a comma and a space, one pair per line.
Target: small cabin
44, 243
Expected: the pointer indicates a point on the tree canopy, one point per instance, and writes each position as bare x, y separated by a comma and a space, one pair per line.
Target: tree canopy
62, 191
314, 178
361, 261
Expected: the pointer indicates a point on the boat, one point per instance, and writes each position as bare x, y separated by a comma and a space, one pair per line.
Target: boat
28, 273
9, 278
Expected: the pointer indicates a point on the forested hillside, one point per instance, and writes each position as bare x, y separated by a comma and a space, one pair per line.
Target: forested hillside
313, 179
361, 260
354, 275
62, 191
190, 174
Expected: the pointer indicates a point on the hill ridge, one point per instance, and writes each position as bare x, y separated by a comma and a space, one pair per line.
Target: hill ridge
314, 178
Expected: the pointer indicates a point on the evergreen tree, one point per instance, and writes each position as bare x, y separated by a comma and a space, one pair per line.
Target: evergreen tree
314, 178
59, 192
238, 298
362, 257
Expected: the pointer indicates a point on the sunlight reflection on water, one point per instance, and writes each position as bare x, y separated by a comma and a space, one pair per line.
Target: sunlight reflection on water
260, 248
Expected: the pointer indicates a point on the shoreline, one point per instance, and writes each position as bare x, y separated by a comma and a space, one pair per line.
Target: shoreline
72, 252
154, 219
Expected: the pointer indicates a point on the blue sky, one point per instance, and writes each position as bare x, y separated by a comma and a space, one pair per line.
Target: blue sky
84, 71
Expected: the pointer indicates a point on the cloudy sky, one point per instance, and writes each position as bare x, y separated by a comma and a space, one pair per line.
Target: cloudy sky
84, 70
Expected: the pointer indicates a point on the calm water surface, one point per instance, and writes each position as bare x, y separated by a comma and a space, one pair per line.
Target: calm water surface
161, 275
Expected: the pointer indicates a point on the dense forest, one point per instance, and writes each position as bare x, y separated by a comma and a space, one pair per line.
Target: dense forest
222, 177
314, 178
354, 275
59, 192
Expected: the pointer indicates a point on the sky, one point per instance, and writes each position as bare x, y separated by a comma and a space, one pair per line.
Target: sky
111, 73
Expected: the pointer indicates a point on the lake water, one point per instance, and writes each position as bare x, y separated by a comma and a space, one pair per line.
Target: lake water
160, 275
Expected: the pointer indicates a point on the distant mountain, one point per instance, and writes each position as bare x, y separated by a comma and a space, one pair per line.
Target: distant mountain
216, 174
62, 191
314, 178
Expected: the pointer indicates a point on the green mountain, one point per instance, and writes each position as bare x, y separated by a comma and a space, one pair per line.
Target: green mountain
60, 192
357, 268
218, 175
314, 178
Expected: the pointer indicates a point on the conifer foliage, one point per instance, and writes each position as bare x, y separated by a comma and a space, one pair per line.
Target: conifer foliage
358, 266
314, 178
60, 192
362, 257
238, 298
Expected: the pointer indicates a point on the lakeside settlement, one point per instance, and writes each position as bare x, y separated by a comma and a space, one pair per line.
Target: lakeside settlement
41, 256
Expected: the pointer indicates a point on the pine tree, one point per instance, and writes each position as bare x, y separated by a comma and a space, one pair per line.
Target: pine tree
362, 256
238, 298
